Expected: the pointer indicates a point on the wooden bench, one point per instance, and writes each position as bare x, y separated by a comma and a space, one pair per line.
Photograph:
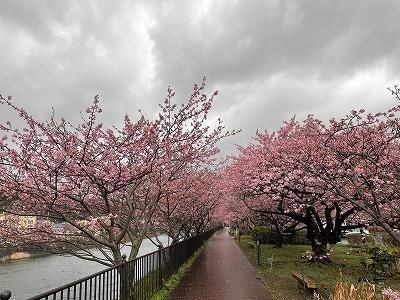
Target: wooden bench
307, 283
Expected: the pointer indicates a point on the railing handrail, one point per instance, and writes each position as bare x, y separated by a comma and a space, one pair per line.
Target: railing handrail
89, 277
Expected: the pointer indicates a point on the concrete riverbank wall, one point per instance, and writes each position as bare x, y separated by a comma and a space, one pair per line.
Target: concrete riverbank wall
11, 254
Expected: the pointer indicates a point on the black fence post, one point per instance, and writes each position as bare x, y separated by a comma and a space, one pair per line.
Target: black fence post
258, 252
160, 279
124, 279
5, 295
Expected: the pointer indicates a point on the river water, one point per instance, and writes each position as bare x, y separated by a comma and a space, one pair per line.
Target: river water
29, 277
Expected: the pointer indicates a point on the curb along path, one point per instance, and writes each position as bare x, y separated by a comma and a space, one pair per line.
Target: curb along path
221, 272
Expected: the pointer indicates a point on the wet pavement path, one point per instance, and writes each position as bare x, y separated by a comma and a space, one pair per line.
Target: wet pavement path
221, 272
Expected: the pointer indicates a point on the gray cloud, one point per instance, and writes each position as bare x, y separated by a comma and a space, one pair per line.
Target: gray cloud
253, 39
64, 56
270, 59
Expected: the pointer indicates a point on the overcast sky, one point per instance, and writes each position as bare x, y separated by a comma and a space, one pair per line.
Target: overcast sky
270, 60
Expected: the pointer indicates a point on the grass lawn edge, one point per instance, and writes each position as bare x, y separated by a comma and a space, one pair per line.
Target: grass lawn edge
173, 281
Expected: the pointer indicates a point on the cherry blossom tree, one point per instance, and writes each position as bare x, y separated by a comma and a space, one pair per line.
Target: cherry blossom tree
102, 184
235, 213
365, 148
231, 210
272, 176
189, 207
328, 177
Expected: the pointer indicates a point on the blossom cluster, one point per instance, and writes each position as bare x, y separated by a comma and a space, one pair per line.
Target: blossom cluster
391, 294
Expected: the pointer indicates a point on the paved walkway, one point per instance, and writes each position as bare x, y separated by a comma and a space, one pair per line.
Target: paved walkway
221, 272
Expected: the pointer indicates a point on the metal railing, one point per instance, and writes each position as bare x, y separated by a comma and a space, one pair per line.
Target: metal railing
137, 279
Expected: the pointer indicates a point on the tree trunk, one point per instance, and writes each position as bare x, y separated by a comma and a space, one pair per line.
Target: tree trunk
320, 253
393, 234
279, 237
279, 240
117, 256
135, 249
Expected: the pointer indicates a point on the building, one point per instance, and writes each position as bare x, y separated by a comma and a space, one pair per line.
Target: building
24, 222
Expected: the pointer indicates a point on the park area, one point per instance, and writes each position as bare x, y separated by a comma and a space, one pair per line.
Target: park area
276, 266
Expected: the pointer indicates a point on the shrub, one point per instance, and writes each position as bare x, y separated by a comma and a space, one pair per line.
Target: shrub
375, 229
358, 239
251, 244
369, 240
245, 231
380, 261
388, 240
266, 235
298, 238
355, 239
232, 231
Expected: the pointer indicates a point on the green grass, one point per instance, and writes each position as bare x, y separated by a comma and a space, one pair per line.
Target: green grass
146, 286
281, 284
